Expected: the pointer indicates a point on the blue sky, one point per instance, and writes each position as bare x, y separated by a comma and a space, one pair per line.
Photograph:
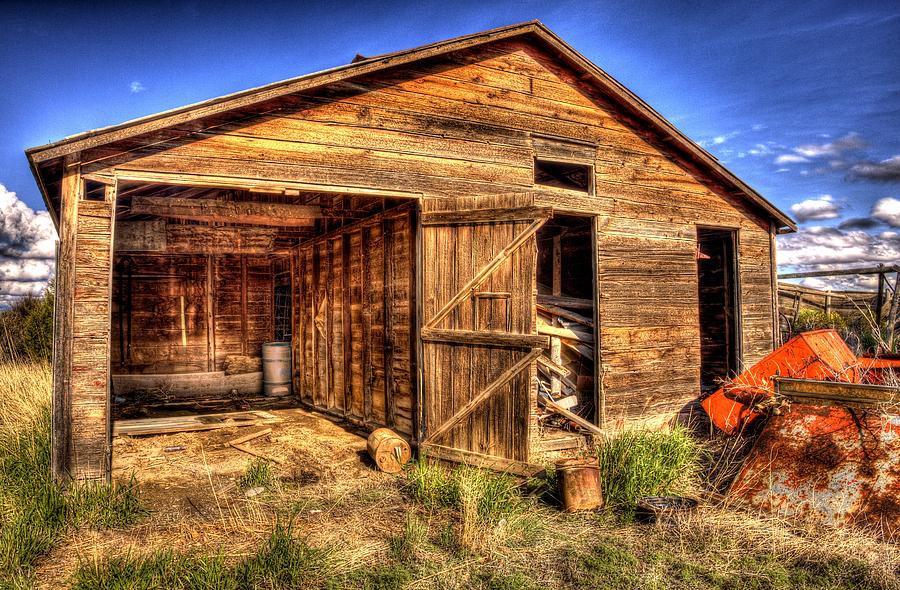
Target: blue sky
801, 100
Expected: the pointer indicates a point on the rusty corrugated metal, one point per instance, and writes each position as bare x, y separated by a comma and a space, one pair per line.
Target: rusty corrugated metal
830, 461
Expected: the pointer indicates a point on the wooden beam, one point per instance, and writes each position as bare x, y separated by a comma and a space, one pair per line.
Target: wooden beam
217, 211
484, 338
464, 217
563, 301
71, 190
867, 270
154, 236
572, 416
254, 185
494, 386
566, 314
560, 332
556, 289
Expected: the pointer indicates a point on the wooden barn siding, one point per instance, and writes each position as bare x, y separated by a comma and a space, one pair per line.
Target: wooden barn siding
460, 126
243, 311
353, 322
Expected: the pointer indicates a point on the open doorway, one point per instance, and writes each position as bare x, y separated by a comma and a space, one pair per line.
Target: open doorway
718, 306
207, 281
566, 276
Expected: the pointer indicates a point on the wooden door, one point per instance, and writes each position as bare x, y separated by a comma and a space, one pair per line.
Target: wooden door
478, 327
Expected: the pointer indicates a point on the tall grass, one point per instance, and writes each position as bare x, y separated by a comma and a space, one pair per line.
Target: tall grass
283, 561
35, 511
490, 508
638, 463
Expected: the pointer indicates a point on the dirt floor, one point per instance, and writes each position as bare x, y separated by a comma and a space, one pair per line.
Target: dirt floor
195, 504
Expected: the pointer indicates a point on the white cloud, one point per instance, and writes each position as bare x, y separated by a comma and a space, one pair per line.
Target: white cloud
719, 139
851, 141
828, 248
790, 159
817, 208
887, 210
136, 87
27, 248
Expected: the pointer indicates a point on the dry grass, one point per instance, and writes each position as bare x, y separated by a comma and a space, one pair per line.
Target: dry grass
352, 527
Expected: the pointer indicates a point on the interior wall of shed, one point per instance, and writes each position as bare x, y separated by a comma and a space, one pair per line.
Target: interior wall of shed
354, 321
186, 313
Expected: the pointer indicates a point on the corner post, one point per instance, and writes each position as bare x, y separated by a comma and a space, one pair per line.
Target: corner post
81, 364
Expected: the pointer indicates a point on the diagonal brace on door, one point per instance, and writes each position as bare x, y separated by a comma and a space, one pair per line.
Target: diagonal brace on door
488, 391
486, 271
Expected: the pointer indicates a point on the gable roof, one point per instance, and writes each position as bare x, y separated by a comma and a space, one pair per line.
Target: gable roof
535, 29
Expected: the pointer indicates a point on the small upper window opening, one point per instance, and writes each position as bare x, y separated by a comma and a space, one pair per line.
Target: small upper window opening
94, 191
576, 177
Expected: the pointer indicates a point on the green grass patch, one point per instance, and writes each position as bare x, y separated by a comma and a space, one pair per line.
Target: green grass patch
259, 474
283, 561
638, 463
490, 495
35, 511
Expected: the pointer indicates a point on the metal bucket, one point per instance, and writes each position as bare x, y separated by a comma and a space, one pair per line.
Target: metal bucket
276, 361
579, 483
389, 451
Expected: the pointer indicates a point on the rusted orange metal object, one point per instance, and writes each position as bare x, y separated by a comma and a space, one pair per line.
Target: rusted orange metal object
880, 370
821, 354
837, 463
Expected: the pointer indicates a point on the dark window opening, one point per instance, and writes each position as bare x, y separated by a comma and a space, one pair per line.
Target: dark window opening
283, 313
575, 177
94, 191
718, 306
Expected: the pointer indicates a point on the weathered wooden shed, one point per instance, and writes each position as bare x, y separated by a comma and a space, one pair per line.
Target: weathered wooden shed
420, 226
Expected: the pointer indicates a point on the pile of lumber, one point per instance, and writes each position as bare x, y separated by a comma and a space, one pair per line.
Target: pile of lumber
566, 371
236, 364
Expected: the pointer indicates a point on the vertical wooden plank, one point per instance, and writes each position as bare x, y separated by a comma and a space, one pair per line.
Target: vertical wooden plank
374, 315
417, 348
599, 375
357, 289
556, 290
320, 331
366, 333
244, 346
328, 340
210, 314
389, 294
347, 323
61, 413
337, 324
296, 323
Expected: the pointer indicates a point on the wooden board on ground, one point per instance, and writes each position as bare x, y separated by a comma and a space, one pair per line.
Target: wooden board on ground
146, 426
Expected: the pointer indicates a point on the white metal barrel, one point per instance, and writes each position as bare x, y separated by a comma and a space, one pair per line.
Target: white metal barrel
276, 361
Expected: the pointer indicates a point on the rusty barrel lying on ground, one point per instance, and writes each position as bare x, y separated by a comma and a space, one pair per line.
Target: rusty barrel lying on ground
388, 449
579, 483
